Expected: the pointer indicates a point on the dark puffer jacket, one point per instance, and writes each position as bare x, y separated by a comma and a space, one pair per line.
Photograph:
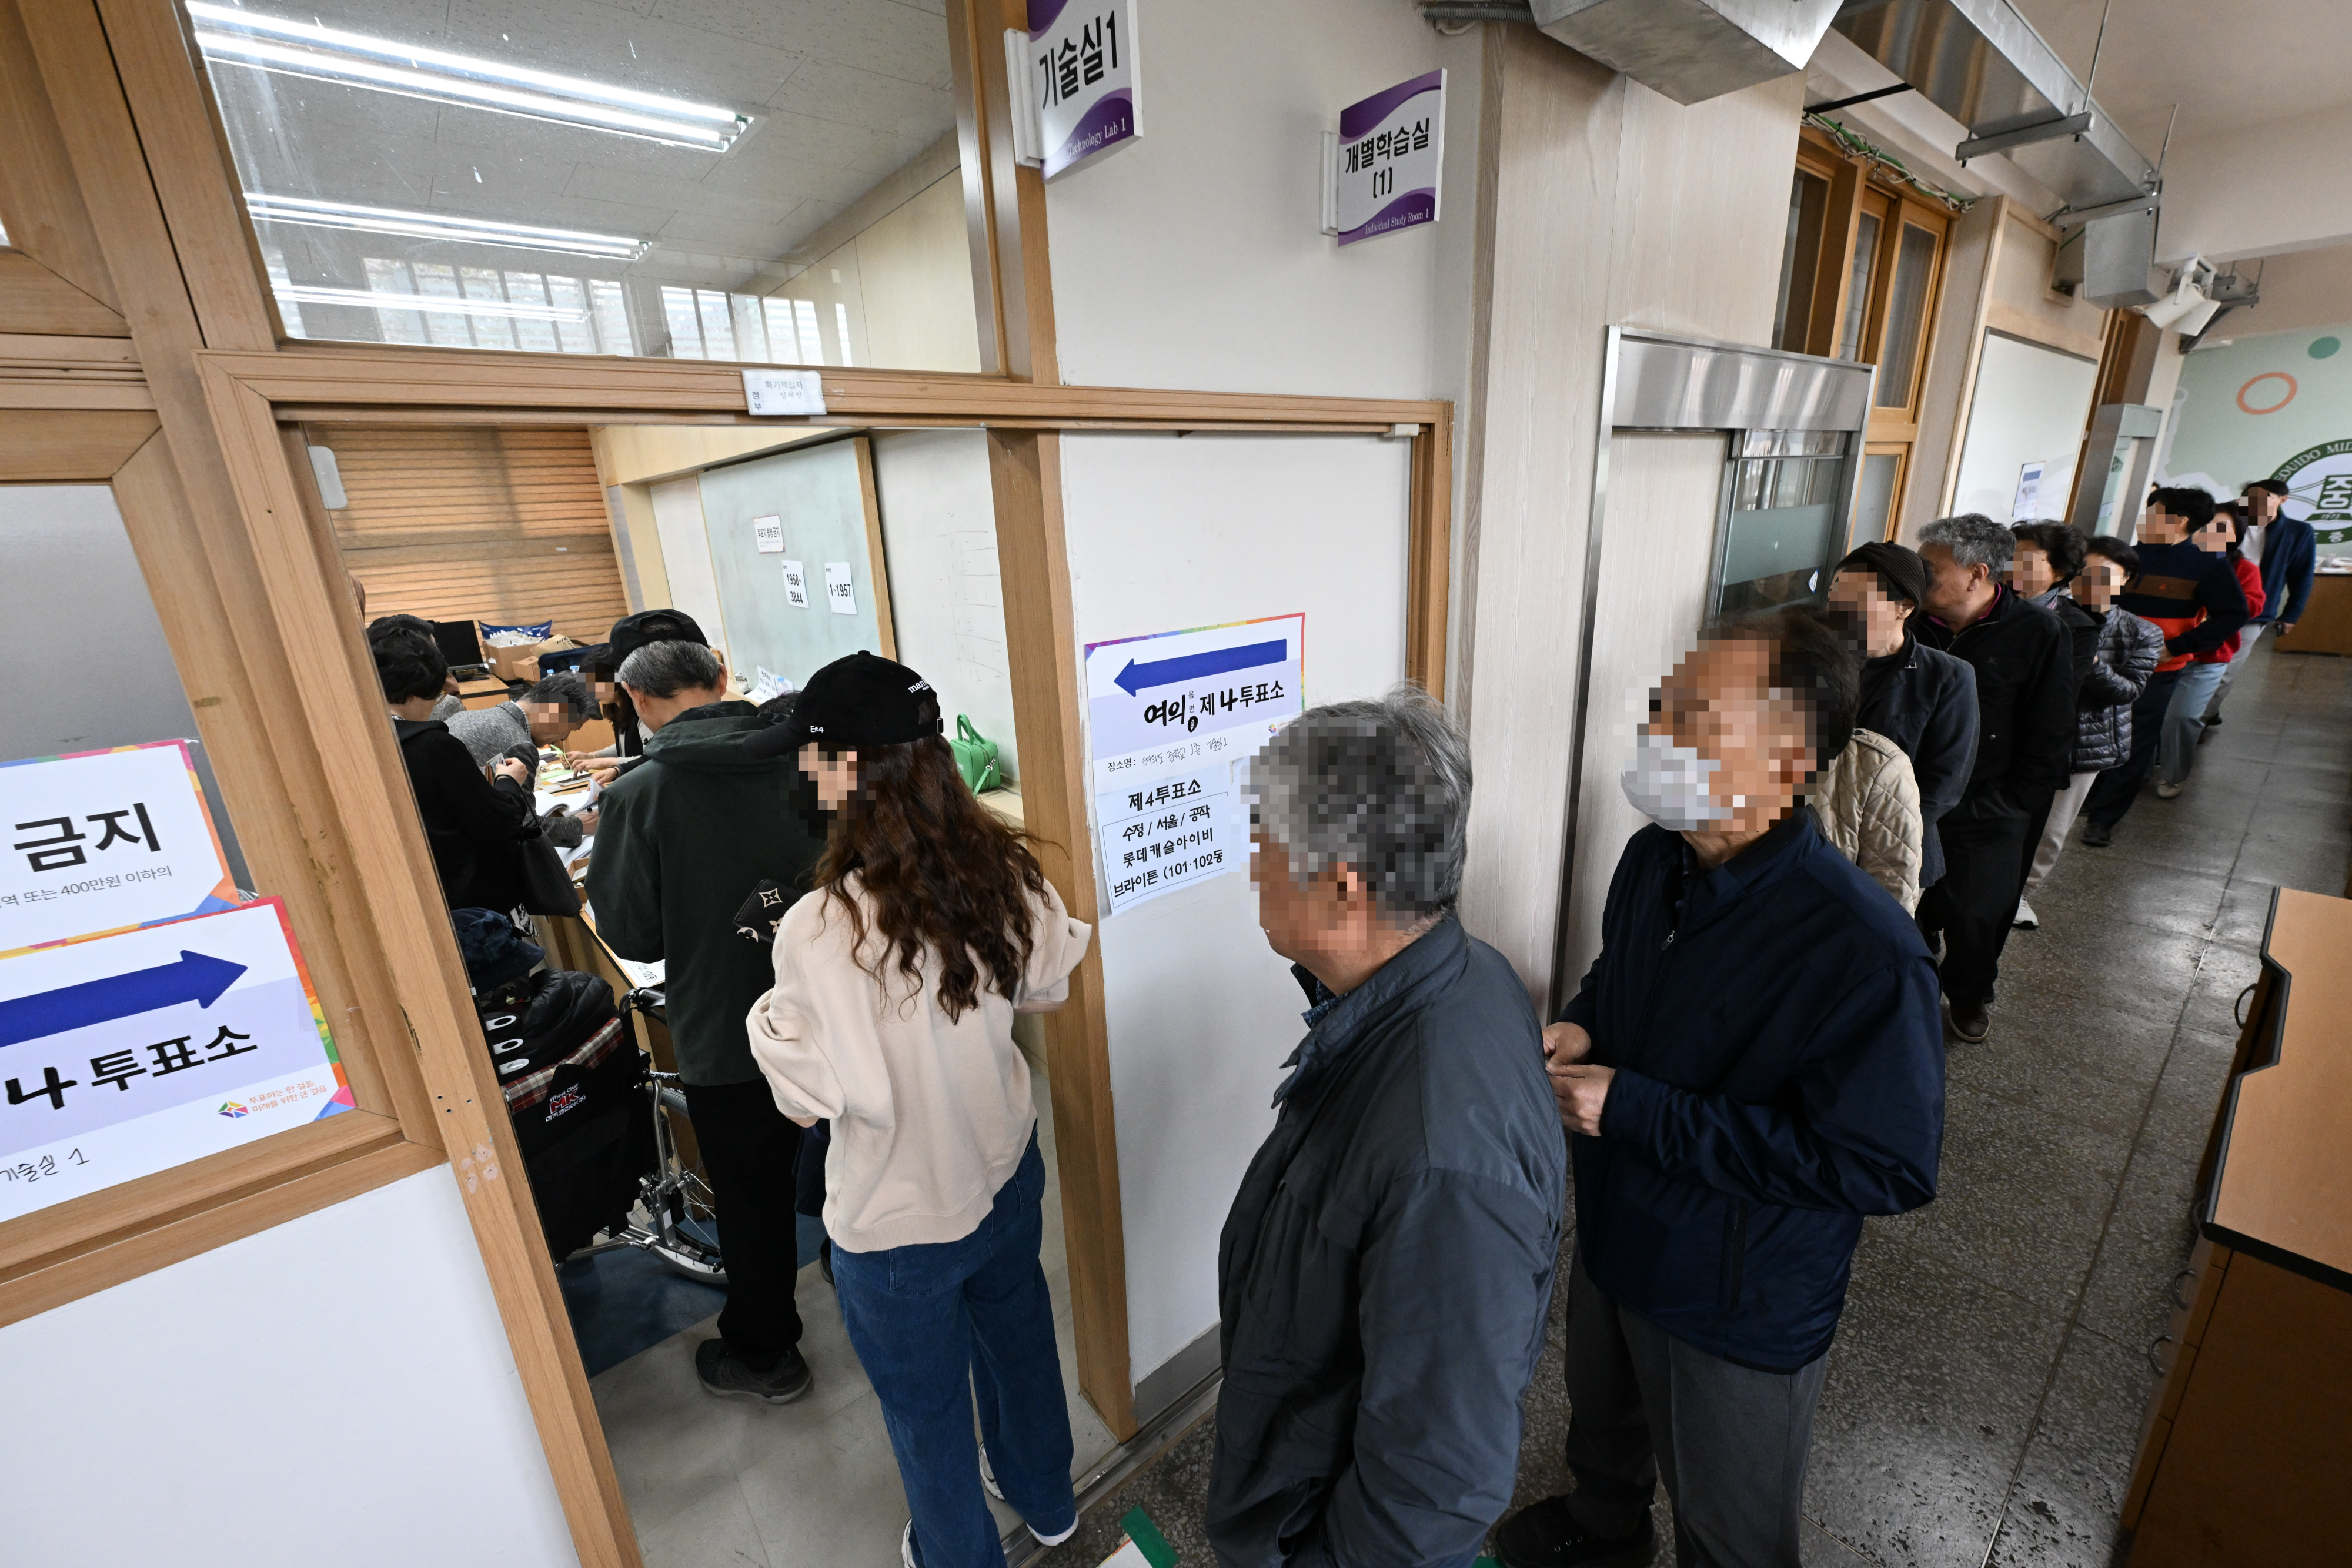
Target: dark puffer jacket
2129, 649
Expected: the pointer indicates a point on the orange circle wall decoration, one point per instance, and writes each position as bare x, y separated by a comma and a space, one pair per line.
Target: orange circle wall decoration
2267, 376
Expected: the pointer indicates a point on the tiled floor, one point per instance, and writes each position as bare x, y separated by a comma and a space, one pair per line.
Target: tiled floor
1984, 1396
735, 1482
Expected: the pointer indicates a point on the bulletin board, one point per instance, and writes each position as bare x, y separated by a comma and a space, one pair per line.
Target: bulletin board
2032, 403
812, 507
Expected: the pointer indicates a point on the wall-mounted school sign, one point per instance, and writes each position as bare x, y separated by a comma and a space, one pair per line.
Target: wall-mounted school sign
2319, 489
1381, 171
1078, 89
1168, 718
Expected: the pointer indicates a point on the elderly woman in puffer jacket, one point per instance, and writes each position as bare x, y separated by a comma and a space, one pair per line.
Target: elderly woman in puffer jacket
2129, 649
1867, 802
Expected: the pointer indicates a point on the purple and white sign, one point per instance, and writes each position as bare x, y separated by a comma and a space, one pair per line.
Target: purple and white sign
1081, 70
1386, 163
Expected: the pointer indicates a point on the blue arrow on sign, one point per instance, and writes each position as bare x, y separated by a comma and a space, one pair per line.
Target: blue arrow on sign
193, 979
1215, 661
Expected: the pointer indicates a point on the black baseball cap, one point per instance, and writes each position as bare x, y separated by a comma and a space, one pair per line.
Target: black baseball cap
863, 700
632, 633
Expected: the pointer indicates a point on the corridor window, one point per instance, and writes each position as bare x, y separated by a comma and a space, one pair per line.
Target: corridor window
714, 184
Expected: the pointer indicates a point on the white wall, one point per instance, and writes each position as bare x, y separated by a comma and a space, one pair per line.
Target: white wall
2031, 404
1165, 533
2272, 187
947, 605
337, 1389
685, 555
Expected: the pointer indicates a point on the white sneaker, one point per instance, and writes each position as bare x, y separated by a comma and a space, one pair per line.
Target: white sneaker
2026, 919
988, 1475
2166, 791
988, 1479
906, 1545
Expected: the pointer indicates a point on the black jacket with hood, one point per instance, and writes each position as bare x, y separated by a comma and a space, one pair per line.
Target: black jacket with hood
2025, 662
1384, 1273
681, 844
473, 825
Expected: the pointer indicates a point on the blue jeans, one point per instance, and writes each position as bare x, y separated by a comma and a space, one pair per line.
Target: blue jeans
2184, 720
922, 1318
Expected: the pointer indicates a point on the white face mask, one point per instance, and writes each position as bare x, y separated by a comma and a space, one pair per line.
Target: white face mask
1667, 783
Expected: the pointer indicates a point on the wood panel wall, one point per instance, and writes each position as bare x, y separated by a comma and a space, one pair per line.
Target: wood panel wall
465, 522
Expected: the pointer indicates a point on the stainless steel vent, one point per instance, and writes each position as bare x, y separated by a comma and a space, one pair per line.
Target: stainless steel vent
1982, 63
1691, 50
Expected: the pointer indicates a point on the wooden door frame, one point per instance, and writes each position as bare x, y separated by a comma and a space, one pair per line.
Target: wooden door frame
155, 363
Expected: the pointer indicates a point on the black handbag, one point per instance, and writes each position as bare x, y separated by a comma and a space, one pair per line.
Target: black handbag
546, 883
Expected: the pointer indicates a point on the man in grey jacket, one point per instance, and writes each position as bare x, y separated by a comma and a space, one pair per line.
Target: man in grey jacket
1385, 1271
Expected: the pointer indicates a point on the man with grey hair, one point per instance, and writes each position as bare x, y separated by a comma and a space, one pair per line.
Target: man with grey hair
2026, 689
686, 838
1384, 1273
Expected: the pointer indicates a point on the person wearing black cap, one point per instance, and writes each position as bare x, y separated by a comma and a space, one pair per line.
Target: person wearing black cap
1922, 699
684, 840
601, 666
896, 985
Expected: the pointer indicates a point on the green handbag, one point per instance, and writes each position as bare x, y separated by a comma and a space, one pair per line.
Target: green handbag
975, 756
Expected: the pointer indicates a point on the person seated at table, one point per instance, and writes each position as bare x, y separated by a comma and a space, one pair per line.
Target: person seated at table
450, 703
474, 824
544, 716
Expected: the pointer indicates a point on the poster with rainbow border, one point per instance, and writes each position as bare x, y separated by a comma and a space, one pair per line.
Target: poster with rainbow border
105, 841
130, 1052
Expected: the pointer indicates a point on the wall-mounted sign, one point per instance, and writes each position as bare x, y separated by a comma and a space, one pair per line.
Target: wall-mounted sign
795, 585
2319, 489
784, 392
101, 840
840, 596
767, 533
1381, 171
127, 1054
1168, 718
1076, 67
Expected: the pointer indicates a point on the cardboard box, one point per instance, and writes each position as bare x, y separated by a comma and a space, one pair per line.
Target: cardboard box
520, 663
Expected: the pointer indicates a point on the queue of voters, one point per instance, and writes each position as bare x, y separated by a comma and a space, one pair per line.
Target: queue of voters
1176, 783
1849, 799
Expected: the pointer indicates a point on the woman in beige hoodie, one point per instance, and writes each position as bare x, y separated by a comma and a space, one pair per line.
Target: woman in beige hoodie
896, 981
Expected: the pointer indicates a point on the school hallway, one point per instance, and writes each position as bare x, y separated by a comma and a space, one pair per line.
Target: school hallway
1986, 1391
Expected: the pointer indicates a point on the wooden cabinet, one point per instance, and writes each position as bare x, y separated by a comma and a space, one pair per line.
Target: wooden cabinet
2247, 1444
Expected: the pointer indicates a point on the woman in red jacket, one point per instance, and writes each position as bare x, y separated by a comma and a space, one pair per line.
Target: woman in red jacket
2184, 716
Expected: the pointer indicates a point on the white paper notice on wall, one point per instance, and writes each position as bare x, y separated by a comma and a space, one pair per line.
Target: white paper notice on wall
768, 533
795, 586
1168, 718
784, 392
2029, 491
137, 1051
840, 595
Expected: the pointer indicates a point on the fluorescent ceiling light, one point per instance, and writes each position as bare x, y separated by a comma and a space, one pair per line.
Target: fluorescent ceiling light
440, 226
290, 47
303, 293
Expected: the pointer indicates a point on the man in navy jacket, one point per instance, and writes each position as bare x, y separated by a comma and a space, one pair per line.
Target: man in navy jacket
1753, 1063
2289, 554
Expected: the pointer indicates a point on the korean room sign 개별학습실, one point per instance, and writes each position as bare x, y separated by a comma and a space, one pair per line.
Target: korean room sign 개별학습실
1388, 159
126, 1054
1168, 718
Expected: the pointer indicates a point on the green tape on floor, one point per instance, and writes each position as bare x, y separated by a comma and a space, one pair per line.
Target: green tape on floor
1148, 1538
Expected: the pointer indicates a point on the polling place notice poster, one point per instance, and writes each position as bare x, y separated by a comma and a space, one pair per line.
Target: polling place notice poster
1170, 718
102, 841
126, 1054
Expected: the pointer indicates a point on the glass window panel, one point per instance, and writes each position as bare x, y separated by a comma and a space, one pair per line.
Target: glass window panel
1800, 261
1915, 272
1782, 534
1857, 290
772, 153
1875, 495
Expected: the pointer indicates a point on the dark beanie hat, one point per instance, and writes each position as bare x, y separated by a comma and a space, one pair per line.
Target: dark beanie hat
1902, 569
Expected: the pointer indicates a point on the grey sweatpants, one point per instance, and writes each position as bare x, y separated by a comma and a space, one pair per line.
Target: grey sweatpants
1729, 1442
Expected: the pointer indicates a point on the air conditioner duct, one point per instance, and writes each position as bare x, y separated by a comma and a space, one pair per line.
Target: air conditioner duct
1691, 50
1982, 63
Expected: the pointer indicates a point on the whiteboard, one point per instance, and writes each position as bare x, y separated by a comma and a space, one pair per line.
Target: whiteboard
2032, 404
820, 494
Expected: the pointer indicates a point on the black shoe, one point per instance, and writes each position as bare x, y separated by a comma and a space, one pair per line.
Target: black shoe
2210, 720
2097, 835
1546, 1535
723, 1371
1972, 1022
